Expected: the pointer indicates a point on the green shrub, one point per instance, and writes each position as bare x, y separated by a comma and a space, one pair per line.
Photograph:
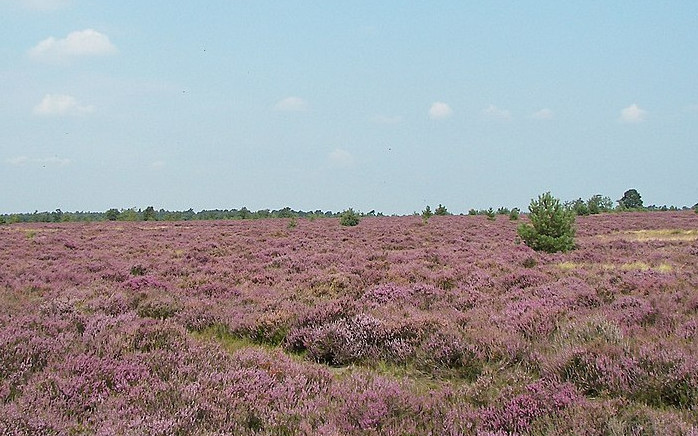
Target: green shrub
349, 218
426, 214
491, 215
552, 226
514, 214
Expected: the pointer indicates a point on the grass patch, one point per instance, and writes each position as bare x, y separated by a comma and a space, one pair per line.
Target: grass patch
568, 266
231, 342
228, 341
635, 266
655, 235
628, 266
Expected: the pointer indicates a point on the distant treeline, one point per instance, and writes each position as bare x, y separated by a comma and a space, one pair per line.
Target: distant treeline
631, 201
150, 214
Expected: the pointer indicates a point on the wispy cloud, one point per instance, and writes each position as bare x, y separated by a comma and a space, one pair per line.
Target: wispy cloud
633, 114
88, 42
341, 158
291, 104
158, 165
493, 111
440, 110
49, 161
543, 114
61, 105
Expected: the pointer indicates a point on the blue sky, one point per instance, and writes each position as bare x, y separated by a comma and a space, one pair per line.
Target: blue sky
328, 105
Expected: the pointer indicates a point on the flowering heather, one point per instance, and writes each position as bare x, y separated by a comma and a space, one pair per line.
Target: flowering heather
391, 327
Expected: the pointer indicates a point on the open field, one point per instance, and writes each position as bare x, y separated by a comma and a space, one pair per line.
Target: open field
390, 327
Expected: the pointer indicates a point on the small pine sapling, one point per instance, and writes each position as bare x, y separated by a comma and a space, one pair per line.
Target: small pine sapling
552, 225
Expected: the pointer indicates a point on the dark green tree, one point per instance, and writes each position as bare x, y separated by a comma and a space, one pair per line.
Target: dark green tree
149, 214
631, 200
286, 212
441, 210
112, 214
552, 225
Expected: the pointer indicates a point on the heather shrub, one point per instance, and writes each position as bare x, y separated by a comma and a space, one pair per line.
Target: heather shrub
593, 330
533, 318
268, 328
447, 353
600, 370
552, 226
346, 341
157, 305
539, 399
375, 405
612, 417
669, 377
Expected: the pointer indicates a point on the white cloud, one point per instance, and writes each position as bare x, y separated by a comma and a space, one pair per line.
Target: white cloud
440, 110
633, 114
493, 111
291, 104
543, 114
158, 164
341, 158
60, 105
389, 120
44, 5
49, 161
88, 42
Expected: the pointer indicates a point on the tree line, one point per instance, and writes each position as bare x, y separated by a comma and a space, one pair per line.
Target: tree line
631, 201
151, 214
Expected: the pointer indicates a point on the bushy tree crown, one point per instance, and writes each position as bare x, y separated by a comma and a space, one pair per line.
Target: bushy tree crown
552, 225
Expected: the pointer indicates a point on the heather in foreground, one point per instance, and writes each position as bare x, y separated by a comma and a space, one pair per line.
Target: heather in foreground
388, 327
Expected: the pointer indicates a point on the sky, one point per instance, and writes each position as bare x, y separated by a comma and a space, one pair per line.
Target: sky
386, 106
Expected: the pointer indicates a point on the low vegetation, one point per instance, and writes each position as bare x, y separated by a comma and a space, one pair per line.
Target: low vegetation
255, 327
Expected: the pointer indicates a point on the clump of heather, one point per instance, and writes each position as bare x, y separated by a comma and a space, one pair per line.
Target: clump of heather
540, 399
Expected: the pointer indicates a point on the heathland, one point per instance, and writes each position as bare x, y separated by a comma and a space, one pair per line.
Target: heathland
399, 325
